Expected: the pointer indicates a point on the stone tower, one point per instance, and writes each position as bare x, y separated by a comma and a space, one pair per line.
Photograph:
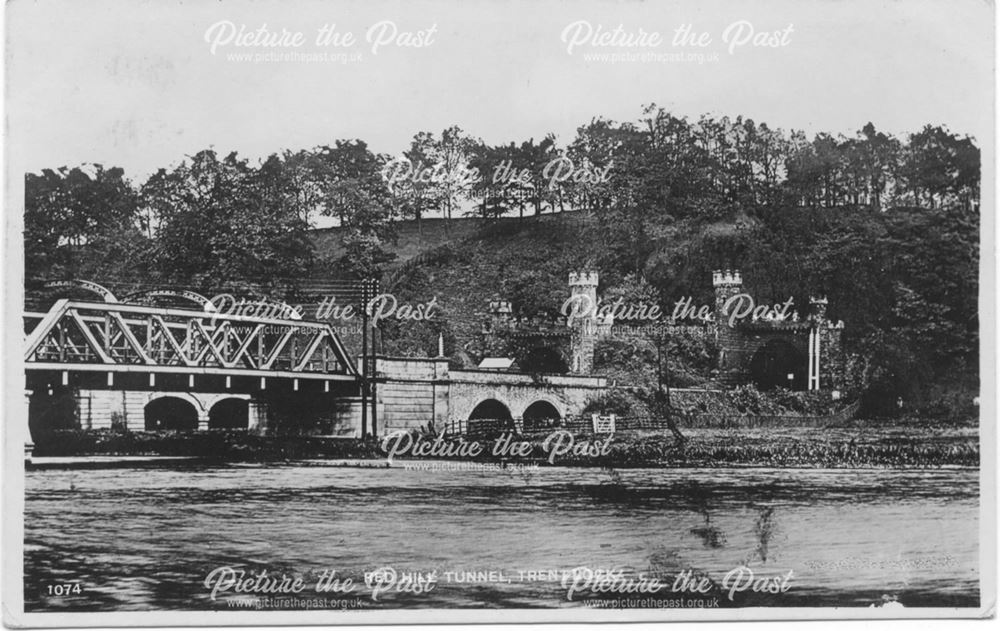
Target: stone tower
500, 313
818, 306
584, 283
828, 366
727, 284
585, 326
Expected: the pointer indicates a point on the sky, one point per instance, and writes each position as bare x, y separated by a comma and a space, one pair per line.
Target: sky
141, 84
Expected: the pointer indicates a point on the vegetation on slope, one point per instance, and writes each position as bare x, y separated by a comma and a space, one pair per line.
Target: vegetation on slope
887, 228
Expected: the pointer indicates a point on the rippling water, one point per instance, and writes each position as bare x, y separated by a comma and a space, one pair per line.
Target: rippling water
141, 539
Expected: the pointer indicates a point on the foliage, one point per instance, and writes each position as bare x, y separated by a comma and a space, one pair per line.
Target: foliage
221, 221
617, 401
887, 228
82, 222
356, 193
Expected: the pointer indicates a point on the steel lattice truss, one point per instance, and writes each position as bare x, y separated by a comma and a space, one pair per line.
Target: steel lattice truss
131, 338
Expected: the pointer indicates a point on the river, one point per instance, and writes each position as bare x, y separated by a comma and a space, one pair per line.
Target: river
147, 538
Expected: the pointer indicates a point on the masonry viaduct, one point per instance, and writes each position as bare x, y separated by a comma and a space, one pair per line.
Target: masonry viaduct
414, 391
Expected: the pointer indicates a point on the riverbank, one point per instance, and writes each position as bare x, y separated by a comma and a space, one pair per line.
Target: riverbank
857, 444
846, 447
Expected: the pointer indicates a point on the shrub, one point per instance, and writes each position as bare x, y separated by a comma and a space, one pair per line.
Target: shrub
617, 401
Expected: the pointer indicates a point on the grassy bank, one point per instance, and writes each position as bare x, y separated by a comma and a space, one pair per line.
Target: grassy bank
892, 447
212, 445
858, 444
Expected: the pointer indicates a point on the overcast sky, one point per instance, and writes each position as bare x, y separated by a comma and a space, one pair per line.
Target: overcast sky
136, 83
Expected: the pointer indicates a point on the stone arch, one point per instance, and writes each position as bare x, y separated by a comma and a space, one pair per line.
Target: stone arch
229, 413
52, 408
489, 415
170, 412
491, 409
197, 402
541, 414
773, 361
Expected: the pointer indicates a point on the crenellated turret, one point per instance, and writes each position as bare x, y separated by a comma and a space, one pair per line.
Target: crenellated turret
818, 305
586, 326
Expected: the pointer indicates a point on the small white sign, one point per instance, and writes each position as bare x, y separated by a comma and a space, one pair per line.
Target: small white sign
603, 424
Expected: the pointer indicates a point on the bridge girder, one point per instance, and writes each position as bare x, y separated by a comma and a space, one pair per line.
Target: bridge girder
115, 337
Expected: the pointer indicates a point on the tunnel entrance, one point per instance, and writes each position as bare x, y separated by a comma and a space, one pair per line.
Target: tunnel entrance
544, 360
778, 364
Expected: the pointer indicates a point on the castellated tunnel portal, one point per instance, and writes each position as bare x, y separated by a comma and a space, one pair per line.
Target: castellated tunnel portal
777, 363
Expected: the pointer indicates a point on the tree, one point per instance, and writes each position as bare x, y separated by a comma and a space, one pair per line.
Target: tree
495, 190
597, 146
82, 222
874, 157
452, 154
222, 222
938, 167
413, 182
815, 171
533, 159
357, 194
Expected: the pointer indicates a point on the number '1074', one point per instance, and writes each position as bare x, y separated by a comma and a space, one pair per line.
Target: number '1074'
64, 589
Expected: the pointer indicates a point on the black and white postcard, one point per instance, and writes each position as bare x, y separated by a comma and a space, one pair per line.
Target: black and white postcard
498, 310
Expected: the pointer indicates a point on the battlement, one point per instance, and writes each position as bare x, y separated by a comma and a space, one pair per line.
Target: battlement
583, 279
575, 338
500, 306
727, 278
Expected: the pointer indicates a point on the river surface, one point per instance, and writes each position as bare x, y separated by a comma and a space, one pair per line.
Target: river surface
148, 538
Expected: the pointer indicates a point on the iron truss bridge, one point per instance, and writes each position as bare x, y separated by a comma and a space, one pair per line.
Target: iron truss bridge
124, 337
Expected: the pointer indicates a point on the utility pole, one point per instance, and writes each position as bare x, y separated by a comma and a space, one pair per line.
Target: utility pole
373, 291
364, 358
663, 379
